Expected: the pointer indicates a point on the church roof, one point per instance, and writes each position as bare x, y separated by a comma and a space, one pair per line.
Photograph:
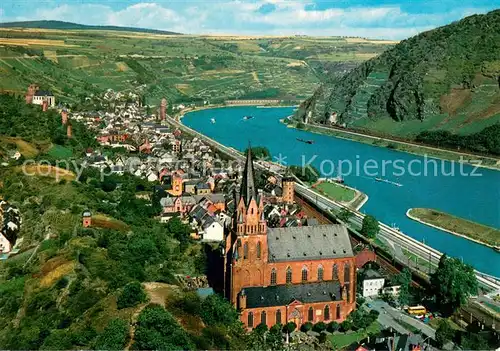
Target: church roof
308, 243
281, 295
248, 190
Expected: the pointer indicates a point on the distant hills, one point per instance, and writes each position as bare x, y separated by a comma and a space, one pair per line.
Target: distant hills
72, 26
444, 79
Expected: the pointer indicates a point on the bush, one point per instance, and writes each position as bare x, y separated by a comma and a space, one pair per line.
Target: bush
289, 327
132, 294
114, 336
216, 310
306, 327
346, 325
333, 327
319, 327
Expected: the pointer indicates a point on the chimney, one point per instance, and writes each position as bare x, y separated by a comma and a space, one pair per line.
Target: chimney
69, 131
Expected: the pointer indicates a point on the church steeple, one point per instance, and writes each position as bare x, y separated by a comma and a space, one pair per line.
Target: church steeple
248, 190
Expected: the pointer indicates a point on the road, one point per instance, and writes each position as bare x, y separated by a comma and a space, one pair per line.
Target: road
423, 252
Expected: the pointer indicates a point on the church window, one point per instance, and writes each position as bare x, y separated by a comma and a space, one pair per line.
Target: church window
320, 273
263, 319
288, 275
335, 272
327, 313
310, 314
278, 317
250, 319
347, 273
304, 274
245, 251
338, 312
273, 276
259, 249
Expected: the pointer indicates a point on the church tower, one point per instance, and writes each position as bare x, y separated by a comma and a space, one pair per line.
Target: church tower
246, 246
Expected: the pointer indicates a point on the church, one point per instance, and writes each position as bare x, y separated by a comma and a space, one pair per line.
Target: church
280, 275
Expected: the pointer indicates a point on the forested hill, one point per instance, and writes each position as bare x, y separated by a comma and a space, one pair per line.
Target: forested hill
446, 79
71, 26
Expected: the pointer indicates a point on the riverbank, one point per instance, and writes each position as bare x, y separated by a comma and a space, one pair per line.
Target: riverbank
473, 231
187, 110
342, 193
408, 147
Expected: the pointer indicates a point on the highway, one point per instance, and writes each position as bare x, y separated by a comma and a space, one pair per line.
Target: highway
422, 251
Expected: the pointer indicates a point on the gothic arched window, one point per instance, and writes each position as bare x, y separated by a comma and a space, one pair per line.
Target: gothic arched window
250, 319
338, 312
347, 273
263, 319
278, 317
259, 249
327, 313
310, 314
320, 273
245, 251
304, 274
273, 276
288, 275
335, 272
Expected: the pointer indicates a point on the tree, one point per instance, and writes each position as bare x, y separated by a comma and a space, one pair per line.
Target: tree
132, 294
403, 279
157, 329
344, 215
452, 283
370, 227
307, 174
307, 326
259, 152
289, 327
444, 333
319, 327
216, 310
333, 326
114, 336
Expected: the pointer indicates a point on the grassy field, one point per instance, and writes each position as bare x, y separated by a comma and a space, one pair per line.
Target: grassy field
102, 221
340, 341
180, 68
460, 226
335, 191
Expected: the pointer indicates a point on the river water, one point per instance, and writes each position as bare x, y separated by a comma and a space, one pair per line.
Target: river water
430, 183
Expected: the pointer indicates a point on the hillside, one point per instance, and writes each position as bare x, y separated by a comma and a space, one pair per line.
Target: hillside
72, 26
181, 68
443, 79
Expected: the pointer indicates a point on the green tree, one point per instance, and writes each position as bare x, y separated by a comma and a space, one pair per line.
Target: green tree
289, 327
157, 329
114, 336
307, 174
259, 152
344, 215
444, 333
370, 227
403, 279
307, 326
132, 294
452, 283
216, 310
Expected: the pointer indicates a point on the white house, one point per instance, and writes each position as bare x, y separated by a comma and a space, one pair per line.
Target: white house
373, 282
5, 245
212, 230
42, 95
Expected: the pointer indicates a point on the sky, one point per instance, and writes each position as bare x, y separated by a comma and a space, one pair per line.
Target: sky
389, 19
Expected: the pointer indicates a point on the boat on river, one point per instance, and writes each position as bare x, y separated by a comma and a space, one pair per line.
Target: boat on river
306, 141
246, 118
388, 181
212, 120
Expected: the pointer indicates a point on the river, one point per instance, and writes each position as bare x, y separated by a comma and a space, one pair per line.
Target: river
425, 183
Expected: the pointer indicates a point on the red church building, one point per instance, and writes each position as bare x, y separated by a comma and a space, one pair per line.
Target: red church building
280, 275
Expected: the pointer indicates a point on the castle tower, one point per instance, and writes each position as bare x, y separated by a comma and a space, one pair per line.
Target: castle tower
64, 116
163, 109
87, 219
177, 185
69, 131
287, 185
246, 247
32, 89
45, 105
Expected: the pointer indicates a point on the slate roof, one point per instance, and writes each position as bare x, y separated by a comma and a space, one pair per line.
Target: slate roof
43, 93
281, 295
308, 243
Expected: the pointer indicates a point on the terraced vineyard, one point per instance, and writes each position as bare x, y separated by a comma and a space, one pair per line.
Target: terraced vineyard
74, 63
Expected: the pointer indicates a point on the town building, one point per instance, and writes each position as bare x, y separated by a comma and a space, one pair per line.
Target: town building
373, 282
291, 274
42, 96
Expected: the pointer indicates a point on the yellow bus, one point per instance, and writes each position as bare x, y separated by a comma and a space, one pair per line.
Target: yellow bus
417, 310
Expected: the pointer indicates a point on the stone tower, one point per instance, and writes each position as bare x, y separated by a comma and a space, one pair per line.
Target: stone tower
64, 116
32, 89
287, 185
45, 105
163, 109
87, 219
246, 246
69, 131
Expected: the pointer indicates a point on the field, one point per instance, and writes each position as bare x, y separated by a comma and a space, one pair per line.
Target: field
335, 191
101, 221
469, 229
180, 68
